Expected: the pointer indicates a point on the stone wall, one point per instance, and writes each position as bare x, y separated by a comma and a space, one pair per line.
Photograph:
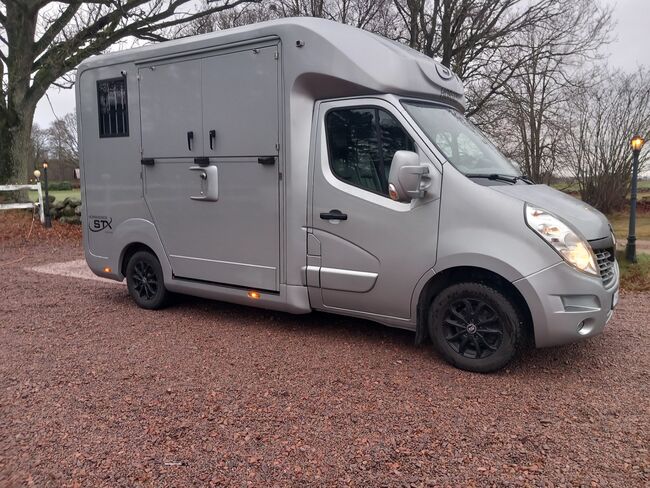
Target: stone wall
67, 211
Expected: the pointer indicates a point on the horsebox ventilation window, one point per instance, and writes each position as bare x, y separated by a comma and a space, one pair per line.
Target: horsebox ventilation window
113, 108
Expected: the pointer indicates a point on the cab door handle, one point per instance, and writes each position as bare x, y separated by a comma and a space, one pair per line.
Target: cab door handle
333, 215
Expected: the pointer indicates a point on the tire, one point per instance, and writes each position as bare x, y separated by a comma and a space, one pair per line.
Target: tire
475, 327
144, 279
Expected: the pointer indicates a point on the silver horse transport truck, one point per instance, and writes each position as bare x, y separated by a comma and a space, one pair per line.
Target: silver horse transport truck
303, 165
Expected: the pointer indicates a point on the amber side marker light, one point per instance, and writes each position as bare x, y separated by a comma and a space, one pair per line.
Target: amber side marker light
254, 294
107, 270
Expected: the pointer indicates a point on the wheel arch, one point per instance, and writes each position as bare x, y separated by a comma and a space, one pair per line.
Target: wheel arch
139, 234
129, 251
458, 274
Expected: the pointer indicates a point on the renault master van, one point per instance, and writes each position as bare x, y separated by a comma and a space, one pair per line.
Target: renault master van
303, 165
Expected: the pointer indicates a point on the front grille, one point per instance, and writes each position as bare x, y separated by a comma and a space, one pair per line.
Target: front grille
606, 264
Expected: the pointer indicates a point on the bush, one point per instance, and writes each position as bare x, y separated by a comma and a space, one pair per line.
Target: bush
59, 186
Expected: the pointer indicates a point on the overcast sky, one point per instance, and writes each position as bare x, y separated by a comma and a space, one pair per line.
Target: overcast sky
630, 49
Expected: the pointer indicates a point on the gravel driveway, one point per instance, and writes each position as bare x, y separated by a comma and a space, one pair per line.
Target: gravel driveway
94, 391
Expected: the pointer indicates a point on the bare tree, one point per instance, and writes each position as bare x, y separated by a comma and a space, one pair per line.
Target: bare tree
376, 16
604, 118
62, 140
245, 14
546, 68
38, 146
472, 36
43, 40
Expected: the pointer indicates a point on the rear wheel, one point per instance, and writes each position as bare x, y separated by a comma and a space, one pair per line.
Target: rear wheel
475, 327
144, 279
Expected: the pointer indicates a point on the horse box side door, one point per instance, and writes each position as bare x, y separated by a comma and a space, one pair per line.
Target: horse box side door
210, 139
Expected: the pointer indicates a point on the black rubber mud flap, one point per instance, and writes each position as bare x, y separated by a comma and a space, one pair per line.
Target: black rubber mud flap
421, 329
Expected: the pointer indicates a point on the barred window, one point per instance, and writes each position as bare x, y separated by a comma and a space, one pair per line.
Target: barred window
113, 108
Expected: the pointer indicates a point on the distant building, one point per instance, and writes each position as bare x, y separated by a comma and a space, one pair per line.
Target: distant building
62, 170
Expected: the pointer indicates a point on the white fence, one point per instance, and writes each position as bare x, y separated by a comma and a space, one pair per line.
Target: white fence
11, 206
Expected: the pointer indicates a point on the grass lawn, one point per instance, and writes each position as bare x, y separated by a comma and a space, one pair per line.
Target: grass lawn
569, 187
620, 222
60, 195
635, 277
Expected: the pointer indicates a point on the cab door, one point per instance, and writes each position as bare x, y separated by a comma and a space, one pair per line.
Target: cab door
366, 252
210, 131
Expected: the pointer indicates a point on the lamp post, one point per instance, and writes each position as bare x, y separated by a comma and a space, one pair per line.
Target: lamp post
630, 249
46, 203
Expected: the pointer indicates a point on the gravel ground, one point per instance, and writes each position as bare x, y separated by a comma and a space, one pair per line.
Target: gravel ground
94, 392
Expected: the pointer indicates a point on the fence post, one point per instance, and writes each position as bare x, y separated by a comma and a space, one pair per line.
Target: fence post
41, 209
48, 219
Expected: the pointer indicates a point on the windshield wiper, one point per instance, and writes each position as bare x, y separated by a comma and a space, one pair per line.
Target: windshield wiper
500, 177
493, 176
525, 179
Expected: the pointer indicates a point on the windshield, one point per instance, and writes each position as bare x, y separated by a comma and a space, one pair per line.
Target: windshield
463, 145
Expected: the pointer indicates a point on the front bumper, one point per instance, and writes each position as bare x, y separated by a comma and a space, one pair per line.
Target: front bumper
566, 305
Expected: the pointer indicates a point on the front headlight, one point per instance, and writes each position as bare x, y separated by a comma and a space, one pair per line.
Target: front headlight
573, 248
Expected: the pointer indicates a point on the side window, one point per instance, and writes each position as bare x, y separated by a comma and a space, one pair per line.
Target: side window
393, 138
361, 143
113, 108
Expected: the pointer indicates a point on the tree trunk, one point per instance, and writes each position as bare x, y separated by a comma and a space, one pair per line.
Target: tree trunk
445, 33
21, 150
15, 137
7, 122
19, 99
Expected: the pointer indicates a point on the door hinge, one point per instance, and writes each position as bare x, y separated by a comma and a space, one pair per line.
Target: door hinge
276, 55
277, 146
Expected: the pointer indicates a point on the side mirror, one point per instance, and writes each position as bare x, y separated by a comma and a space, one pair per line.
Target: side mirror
408, 178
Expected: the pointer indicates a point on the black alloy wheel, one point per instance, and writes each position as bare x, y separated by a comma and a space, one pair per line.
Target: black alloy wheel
144, 279
475, 326
145, 282
472, 328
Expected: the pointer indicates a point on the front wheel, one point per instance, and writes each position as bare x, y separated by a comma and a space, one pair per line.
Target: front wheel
475, 327
144, 279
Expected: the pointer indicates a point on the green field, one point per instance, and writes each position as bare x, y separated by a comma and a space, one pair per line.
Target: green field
59, 195
620, 222
643, 186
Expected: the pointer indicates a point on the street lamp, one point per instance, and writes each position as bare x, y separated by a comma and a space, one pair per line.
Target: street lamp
46, 204
630, 249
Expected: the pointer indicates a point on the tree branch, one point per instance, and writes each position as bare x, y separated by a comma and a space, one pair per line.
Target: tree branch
56, 27
94, 38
